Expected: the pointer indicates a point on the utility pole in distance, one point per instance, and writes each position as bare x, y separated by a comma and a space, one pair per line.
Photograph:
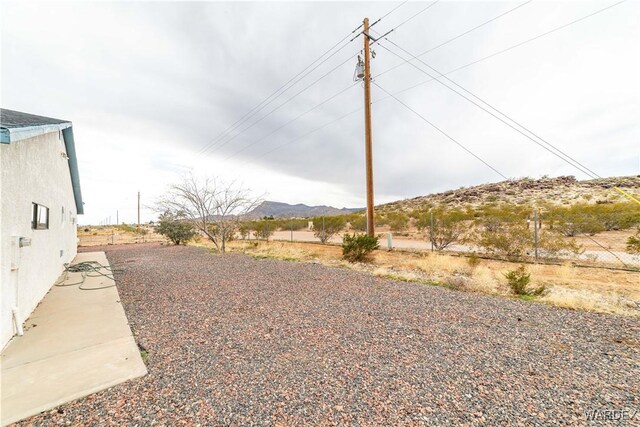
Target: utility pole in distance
138, 209
367, 127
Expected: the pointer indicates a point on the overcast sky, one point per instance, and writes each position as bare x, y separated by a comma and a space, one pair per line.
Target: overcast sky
149, 86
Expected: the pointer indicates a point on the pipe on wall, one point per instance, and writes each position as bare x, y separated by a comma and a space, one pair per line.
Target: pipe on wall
16, 319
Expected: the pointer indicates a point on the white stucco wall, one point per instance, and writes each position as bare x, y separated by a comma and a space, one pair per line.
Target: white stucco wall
33, 170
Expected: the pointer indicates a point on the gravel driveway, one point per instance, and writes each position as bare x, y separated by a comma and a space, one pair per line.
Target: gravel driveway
234, 340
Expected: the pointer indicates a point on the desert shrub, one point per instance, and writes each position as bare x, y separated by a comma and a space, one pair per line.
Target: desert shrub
397, 221
617, 216
294, 224
519, 280
473, 260
552, 245
512, 237
421, 211
447, 229
494, 217
575, 225
379, 220
633, 243
456, 282
126, 228
332, 226
506, 239
358, 247
264, 229
593, 218
176, 230
244, 229
278, 224
358, 222
141, 231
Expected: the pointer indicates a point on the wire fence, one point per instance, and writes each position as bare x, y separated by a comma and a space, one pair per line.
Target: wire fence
522, 236
117, 235
539, 237
603, 239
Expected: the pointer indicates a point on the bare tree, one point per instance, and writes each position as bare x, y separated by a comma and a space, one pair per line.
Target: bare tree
324, 228
213, 207
443, 228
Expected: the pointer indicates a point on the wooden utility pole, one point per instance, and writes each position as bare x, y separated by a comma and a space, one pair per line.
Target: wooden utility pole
367, 128
138, 209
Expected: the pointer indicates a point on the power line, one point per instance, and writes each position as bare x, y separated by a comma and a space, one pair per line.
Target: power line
484, 58
416, 14
283, 86
577, 165
441, 131
302, 136
229, 136
459, 35
558, 152
388, 13
266, 101
281, 89
448, 72
379, 19
402, 23
590, 173
546, 33
282, 104
291, 121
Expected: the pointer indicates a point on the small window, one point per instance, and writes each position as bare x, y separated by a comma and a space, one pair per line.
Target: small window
40, 220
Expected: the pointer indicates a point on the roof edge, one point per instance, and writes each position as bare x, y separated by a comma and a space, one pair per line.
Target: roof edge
70, 146
8, 135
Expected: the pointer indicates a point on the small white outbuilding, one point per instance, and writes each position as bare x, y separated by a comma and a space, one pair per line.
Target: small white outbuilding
40, 200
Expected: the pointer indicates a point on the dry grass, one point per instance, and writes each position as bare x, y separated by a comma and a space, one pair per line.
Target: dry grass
105, 235
582, 299
590, 289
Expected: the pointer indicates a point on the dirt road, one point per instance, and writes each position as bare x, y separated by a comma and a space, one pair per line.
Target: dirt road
607, 256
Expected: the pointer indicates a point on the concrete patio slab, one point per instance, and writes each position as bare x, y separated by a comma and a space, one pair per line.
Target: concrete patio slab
76, 342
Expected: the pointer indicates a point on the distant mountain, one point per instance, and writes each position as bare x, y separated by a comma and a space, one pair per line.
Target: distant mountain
285, 210
562, 190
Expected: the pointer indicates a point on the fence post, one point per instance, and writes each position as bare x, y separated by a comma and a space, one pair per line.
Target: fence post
323, 237
431, 232
389, 241
291, 225
535, 232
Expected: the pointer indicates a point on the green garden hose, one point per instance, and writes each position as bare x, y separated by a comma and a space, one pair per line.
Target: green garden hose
87, 269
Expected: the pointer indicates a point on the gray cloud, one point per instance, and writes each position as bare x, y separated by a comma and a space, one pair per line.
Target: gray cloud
161, 80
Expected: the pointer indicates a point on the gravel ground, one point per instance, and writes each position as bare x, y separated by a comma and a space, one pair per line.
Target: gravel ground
234, 340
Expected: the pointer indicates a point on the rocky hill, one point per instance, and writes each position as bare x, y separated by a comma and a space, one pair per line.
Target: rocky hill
563, 190
285, 210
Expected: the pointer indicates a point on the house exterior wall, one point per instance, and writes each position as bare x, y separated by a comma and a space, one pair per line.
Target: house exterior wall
33, 170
